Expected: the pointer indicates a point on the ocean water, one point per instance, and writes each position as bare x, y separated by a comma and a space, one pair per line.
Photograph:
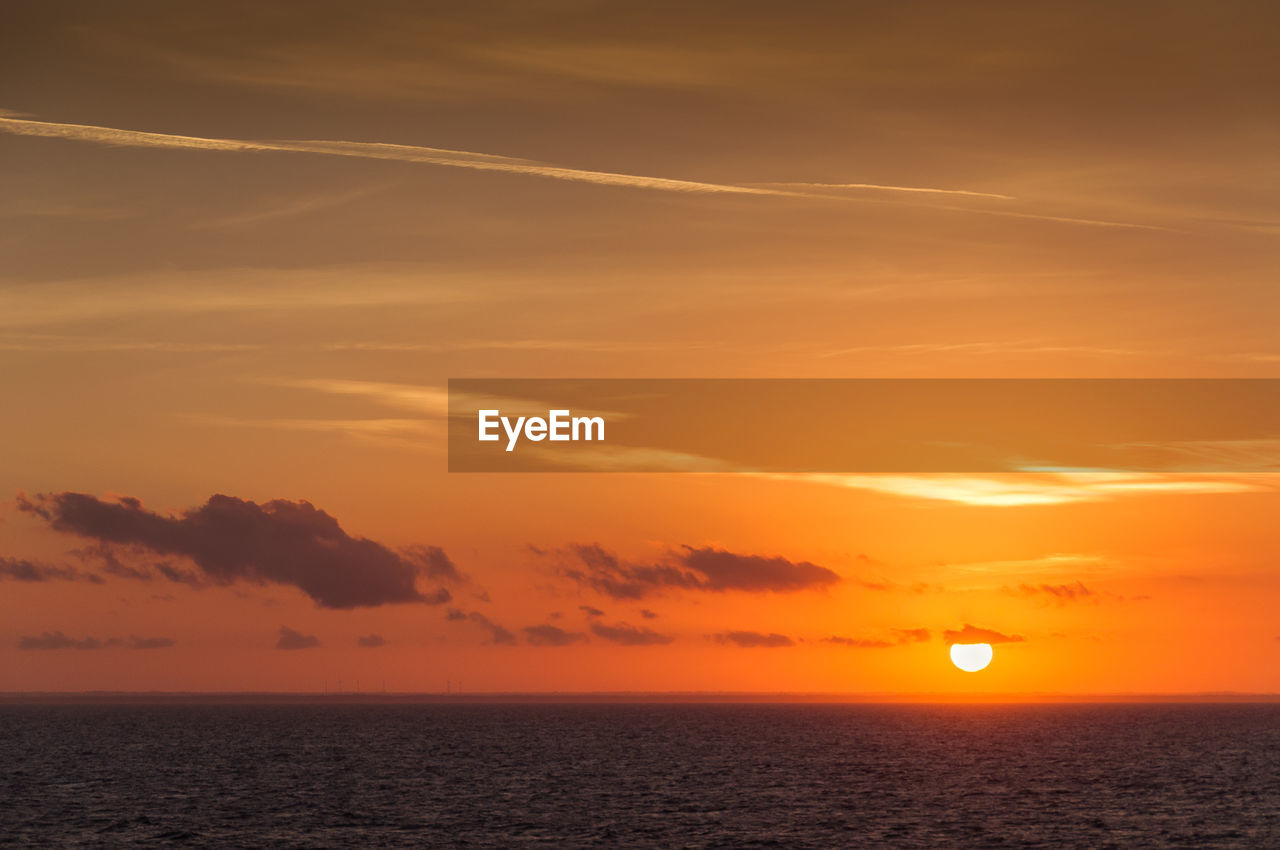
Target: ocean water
640, 775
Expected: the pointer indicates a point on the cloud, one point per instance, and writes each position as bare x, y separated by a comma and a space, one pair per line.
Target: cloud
57, 640
546, 635
401, 433
281, 542
290, 639
860, 643
728, 571
20, 569
974, 634
900, 637
420, 399
648, 615
590, 611
217, 291
1035, 488
434, 563
371, 641
497, 634
752, 640
913, 635
150, 643
1061, 593
702, 569
109, 563
628, 635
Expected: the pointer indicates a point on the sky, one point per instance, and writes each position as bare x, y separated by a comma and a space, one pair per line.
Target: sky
245, 246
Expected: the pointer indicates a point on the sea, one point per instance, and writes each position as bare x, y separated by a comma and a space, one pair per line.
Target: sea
649, 775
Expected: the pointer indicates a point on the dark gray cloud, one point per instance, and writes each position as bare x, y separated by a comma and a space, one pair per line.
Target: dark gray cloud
860, 643
974, 634
497, 634
290, 639
371, 641
729, 571
1061, 593
20, 569
628, 635
601, 571
900, 637
105, 558
57, 640
282, 542
150, 643
753, 640
546, 635
591, 611
434, 562
690, 568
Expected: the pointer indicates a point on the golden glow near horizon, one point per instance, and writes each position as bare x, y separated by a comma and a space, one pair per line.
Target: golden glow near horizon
231, 300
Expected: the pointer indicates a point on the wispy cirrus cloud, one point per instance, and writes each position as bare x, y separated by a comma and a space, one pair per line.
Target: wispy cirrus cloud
230, 291
1051, 568
423, 399
401, 433
1039, 488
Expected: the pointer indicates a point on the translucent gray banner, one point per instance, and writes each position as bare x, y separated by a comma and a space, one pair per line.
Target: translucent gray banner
864, 425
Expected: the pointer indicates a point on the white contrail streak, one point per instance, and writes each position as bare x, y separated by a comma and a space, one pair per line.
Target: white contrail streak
492, 162
887, 188
369, 150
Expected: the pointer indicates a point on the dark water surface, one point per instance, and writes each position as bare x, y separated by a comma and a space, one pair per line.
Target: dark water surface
733, 776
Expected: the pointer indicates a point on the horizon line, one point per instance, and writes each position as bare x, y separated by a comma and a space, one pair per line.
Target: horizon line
649, 696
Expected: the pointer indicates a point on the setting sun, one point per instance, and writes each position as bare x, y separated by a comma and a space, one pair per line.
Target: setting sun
971, 657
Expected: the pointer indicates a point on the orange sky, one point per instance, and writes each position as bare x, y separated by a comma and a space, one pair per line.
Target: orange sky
244, 250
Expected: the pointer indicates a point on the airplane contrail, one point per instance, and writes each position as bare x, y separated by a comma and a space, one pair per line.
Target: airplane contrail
890, 188
495, 162
370, 150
